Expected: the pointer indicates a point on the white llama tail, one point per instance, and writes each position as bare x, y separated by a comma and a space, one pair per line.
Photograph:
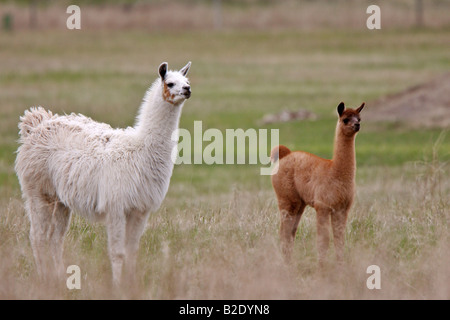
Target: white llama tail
31, 119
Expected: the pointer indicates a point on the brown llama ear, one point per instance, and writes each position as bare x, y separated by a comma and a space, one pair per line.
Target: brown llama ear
341, 108
361, 107
162, 70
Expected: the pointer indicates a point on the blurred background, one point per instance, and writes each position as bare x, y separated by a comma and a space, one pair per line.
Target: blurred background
225, 14
255, 64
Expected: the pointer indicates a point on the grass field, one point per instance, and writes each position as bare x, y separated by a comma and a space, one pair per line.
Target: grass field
216, 234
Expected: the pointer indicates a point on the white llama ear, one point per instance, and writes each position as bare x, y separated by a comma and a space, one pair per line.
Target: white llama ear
184, 71
361, 107
163, 70
341, 108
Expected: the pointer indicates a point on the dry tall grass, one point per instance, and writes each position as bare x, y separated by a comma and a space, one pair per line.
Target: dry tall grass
226, 247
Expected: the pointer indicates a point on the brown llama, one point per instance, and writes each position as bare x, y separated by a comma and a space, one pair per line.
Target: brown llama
326, 185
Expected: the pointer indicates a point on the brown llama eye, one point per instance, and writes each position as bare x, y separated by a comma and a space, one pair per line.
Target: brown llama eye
346, 121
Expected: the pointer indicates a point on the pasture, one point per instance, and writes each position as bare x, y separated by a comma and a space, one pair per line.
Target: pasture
216, 234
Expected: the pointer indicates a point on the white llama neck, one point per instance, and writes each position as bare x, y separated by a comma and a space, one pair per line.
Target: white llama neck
157, 117
155, 124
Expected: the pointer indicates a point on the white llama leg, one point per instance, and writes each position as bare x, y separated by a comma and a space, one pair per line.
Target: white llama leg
49, 221
60, 223
136, 222
116, 223
39, 212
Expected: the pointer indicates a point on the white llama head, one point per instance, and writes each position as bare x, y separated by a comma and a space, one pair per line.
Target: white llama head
176, 87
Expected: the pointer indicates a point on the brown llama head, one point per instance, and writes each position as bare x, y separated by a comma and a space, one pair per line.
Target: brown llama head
349, 119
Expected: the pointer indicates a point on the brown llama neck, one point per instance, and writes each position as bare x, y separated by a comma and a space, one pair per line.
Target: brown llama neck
344, 159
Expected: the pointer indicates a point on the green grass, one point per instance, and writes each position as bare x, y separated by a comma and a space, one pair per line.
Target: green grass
216, 233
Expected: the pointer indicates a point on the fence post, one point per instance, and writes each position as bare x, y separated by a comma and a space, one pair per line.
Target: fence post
7, 22
217, 14
33, 14
419, 13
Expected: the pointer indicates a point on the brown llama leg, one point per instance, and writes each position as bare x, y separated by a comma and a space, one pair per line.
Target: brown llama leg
290, 212
323, 233
338, 222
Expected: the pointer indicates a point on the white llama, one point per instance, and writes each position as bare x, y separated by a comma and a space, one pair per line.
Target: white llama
117, 176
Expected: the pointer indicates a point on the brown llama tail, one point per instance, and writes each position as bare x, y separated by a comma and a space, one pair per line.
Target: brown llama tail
31, 119
278, 153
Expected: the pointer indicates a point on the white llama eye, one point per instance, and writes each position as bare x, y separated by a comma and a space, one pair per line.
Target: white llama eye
170, 85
